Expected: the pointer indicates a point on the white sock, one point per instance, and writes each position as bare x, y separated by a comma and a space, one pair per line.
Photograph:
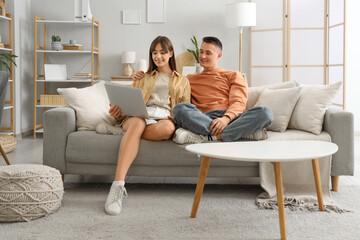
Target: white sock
119, 183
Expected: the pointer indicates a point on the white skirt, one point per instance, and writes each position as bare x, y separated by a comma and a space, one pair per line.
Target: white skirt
156, 113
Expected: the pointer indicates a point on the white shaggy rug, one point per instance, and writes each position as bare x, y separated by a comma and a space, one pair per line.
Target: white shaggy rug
161, 211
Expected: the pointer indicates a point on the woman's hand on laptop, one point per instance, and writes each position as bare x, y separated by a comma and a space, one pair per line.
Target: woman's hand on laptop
115, 111
138, 75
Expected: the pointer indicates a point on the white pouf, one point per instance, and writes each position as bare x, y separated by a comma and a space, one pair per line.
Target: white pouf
29, 191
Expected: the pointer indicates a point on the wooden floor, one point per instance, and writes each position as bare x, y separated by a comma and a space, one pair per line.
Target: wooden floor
30, 151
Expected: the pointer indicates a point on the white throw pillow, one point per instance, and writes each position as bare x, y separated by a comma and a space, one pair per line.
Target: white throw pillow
254, 92
308, 114
91, 105
281, 103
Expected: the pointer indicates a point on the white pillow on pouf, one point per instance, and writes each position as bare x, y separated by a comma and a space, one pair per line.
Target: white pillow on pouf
29, 191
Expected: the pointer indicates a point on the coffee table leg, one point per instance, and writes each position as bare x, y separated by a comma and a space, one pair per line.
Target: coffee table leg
280, 198
315, 164
205, 164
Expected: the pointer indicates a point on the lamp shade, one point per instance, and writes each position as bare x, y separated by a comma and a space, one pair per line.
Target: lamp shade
128, 57
241, 14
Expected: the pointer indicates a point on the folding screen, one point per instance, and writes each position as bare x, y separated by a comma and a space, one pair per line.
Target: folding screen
267, 39
307, 41
336, 36
300, 40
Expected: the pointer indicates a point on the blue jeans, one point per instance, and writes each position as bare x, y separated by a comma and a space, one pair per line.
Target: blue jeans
187, 116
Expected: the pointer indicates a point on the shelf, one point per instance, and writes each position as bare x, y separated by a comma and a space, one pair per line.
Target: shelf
6, 132
127, 83
65, 51
64, 81
41, 27
8, 107
6, 49
121, 78
50, 106
5, 18
66, 22
40, 130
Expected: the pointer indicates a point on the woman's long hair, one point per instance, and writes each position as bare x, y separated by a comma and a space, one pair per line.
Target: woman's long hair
167, 46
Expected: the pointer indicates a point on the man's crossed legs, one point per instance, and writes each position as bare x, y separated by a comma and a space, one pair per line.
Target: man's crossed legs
249, 125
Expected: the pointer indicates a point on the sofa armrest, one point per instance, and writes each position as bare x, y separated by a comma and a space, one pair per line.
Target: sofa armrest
58, 123
340, 125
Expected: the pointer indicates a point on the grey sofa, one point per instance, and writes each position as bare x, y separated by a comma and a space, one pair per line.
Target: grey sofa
89, 153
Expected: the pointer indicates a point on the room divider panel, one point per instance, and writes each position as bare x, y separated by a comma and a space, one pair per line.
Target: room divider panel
336, 47
302, 40
268, 43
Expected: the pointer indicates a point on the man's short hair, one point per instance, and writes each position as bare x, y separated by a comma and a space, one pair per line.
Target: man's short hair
213, 40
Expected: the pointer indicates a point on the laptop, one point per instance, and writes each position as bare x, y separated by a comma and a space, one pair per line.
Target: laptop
129, 99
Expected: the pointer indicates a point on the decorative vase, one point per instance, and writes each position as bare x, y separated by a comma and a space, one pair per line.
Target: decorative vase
56, 46
198, 68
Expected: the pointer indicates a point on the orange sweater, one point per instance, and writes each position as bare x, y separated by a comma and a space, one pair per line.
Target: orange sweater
219, 89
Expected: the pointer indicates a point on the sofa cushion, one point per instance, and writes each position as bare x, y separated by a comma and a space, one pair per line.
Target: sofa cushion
92, 148
309, 111
88, 147
291, 134
281, 103
254, 92
90, 103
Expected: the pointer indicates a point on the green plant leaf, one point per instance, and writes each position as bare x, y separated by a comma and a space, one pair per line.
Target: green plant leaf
5, 59
196, 52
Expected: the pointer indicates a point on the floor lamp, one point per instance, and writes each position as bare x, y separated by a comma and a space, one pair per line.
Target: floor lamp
239, 15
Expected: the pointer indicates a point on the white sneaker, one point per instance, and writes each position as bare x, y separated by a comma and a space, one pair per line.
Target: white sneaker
113, 204
104, 128
259, 135
183, 136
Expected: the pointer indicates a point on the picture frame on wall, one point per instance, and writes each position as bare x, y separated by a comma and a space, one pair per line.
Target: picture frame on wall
55, 72
156, 11
131, 17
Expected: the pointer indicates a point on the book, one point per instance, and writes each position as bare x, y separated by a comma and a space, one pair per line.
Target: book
81, 76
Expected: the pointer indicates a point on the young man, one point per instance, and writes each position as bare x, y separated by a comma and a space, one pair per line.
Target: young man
218, 101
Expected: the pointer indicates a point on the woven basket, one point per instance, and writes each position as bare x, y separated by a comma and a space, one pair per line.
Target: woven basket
8, 143
28, 192
184, 59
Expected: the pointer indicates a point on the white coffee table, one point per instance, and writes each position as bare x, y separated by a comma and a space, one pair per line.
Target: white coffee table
263, 151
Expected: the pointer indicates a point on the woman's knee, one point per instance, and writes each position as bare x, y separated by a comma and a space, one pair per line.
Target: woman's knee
136, 123
166, 130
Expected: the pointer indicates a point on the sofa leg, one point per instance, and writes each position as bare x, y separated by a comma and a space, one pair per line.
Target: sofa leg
62, 177
335, 183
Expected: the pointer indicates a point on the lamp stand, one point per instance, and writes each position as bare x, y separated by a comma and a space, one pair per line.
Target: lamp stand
128, 70
240, 47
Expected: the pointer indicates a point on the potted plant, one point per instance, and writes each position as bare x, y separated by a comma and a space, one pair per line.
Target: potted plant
195, 53
5, 58
56, 43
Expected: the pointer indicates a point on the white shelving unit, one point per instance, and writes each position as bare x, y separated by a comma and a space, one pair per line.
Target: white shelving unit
39, 79
9, 103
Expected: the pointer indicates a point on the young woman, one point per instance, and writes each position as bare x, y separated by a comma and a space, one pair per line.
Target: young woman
162, 88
